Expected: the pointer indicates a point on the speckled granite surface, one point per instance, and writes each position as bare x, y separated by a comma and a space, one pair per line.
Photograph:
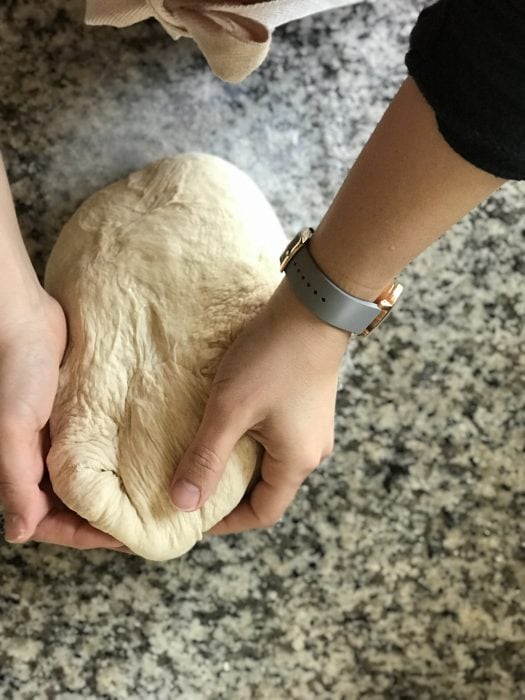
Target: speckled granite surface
397, 572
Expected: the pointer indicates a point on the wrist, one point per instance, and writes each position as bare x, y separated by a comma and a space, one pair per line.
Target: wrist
288, 310
20, 290
329, 256
325, 299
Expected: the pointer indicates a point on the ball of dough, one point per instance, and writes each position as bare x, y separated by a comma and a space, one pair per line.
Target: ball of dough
157, 275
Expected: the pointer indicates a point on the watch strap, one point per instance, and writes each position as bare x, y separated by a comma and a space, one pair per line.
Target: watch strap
325, 299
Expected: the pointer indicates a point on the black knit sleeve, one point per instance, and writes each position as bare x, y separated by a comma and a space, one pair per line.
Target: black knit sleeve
468, 59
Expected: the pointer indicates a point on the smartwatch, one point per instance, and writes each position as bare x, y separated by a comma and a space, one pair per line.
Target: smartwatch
325, 299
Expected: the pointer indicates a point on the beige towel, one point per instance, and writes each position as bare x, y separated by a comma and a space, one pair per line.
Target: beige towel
234, 38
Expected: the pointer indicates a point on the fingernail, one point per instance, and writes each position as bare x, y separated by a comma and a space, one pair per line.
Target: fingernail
15, 528
185, 495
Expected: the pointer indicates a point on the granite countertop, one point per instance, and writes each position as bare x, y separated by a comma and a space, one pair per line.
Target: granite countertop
397, 571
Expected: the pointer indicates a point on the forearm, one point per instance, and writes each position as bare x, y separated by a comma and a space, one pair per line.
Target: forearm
404, 191
18, 281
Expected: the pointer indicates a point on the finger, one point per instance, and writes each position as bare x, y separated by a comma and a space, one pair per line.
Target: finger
203, 463
264, 509
123, 550
268, 501
21, 468
65, 528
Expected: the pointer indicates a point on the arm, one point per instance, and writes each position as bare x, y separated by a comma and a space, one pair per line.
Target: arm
406, 188
16, 272
404, 191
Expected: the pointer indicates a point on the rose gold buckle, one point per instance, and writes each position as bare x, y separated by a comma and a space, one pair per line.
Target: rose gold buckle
386, 301
295, 245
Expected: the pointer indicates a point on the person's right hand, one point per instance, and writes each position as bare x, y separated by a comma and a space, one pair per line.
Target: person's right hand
32, 343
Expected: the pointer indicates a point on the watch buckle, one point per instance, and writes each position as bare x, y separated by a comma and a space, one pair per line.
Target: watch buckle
386, 301
295, 245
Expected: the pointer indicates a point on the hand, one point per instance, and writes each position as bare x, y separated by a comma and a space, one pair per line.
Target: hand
277, 383
31, 347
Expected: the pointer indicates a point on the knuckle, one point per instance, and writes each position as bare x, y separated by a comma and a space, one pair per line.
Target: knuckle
299, 475
76, 540
222, 401
8, 491
309, 460
227, 405
268, 520
204, 461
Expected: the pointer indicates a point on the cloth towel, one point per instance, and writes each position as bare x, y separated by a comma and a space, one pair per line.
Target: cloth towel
234, 38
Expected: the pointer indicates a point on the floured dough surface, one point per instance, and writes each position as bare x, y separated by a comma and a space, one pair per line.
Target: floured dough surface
157, 275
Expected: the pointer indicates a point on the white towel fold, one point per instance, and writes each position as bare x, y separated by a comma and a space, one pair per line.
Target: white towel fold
234, 38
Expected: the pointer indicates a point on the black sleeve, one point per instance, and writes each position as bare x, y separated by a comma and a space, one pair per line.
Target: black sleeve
468, 59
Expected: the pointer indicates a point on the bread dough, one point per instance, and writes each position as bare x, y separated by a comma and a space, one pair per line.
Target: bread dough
157, 274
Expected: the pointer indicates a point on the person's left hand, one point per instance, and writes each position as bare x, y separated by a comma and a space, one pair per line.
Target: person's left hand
277, 383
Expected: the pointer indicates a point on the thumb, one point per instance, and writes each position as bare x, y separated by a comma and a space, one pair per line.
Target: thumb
203, 463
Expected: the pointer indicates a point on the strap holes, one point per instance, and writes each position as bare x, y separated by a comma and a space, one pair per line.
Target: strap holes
323, 299
308, 284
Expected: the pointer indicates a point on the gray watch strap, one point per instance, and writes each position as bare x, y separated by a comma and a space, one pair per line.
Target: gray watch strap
324, 298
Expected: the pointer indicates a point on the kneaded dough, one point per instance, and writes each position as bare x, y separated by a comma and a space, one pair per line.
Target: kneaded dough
157, 274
